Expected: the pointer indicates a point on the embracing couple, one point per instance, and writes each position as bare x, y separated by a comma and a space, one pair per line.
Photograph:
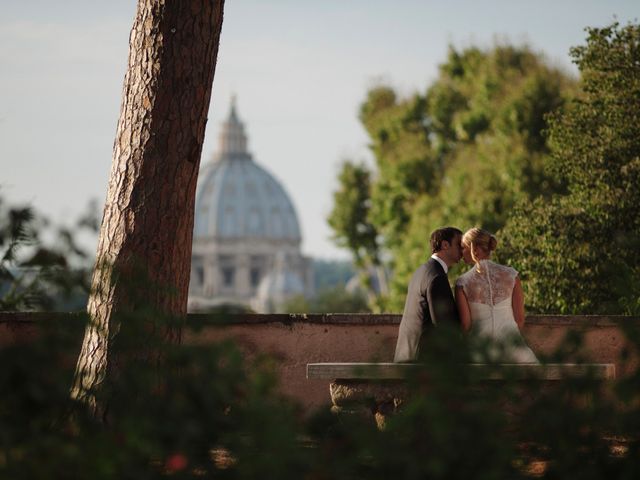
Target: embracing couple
488, 298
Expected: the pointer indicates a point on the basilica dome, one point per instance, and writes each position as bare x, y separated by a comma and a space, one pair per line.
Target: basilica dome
246, 241
237, 198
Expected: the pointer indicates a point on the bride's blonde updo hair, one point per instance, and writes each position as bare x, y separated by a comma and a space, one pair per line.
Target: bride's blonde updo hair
480, 239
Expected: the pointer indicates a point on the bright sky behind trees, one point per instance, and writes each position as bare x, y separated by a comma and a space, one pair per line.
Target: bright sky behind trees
299, 68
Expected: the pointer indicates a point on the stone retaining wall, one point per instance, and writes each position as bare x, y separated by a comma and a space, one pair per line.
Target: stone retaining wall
296, 340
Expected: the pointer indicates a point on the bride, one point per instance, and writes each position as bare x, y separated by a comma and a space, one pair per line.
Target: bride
490, 300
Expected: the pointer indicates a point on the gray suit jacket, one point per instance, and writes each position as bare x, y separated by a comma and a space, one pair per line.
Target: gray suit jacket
429, 303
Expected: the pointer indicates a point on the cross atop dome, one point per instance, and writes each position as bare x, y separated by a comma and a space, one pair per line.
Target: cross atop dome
233, 116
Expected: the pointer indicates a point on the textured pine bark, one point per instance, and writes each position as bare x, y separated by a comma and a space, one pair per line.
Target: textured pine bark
144, 250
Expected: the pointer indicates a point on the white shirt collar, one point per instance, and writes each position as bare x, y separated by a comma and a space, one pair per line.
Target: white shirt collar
444, 265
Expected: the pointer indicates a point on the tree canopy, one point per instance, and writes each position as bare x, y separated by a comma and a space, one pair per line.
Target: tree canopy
578, 250
464, 152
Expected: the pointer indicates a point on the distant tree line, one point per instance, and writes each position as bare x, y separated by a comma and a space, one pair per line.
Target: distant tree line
332, 295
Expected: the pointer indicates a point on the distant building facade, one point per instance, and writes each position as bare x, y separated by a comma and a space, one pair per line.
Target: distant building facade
246, 241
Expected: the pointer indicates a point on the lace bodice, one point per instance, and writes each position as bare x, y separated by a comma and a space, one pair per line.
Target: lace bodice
492, 285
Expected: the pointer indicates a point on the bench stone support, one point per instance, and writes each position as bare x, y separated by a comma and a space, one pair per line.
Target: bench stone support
377, 390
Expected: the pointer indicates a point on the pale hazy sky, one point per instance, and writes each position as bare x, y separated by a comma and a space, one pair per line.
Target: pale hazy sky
300, 69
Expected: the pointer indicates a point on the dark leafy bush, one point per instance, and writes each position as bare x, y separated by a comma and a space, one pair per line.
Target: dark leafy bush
205, 411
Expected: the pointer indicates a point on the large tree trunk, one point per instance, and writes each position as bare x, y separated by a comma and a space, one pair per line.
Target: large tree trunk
144, 252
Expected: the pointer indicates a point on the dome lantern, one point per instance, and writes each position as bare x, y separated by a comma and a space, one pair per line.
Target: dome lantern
233, 141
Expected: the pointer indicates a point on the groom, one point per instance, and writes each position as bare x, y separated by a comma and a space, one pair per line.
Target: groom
429, 299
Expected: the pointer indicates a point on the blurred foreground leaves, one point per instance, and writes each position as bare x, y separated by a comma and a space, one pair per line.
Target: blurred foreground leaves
208, 411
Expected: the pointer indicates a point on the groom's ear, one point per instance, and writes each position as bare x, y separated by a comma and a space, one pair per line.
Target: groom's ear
444, 245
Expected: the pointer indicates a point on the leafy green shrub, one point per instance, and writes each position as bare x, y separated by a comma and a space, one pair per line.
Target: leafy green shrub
205, 411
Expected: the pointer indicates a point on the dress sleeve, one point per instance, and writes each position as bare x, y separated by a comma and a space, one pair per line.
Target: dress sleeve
461, 283
503, 283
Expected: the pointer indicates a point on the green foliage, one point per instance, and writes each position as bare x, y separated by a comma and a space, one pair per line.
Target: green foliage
502, 138
329, 300
349, 217
175, 423
353, 229
577, 250
210, 411
43, 267
331, 273
463, 154
406, 169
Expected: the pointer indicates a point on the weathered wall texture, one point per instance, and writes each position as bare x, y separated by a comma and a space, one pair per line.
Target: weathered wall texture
298, 340
360, 338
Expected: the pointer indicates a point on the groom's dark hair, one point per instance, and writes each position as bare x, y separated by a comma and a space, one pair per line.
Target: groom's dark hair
443, 234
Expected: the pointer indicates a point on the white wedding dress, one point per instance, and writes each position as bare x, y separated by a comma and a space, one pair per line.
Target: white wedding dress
489, 289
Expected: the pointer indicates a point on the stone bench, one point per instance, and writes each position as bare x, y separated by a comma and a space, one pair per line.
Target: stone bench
400, 371
379, 389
